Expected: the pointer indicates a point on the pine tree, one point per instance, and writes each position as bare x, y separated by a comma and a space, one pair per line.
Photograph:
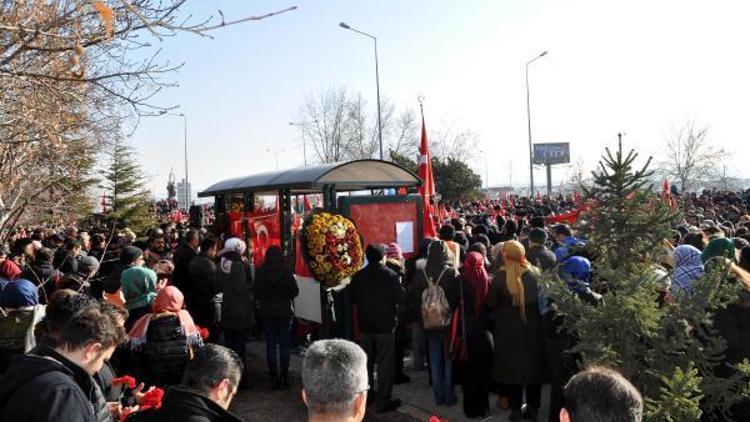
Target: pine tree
668, 350
128, 200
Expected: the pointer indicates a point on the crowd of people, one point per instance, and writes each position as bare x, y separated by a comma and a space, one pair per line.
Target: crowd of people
175, 310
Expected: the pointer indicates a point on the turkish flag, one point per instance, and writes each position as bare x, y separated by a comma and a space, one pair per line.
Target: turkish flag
427, 190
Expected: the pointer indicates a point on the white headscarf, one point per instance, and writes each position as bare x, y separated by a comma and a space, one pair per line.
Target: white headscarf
232, 244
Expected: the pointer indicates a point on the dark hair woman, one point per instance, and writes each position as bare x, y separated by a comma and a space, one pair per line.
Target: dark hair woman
275, 288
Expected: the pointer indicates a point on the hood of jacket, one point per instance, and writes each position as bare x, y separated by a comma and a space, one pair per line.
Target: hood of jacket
438, 258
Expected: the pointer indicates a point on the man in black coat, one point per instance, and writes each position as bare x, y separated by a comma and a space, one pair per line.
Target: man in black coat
51, 384
208, 386
537, 253
186, 251
43, 274
377, 293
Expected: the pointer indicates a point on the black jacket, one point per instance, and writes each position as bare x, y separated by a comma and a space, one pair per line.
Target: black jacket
237, 312
541, 257
274, 291
43, 386
181, 259
377, 292
200, 290
180, 405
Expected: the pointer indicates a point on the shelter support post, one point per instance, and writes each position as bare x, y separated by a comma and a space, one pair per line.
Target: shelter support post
329, 197
285, 214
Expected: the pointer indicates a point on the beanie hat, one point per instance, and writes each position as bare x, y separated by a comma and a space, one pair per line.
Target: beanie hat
129, 254
393, 251
87, 265
374, 252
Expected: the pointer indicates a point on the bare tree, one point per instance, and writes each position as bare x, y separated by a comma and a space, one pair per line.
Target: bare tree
69, 78
404, 139
329, 135
452, 142
690, 158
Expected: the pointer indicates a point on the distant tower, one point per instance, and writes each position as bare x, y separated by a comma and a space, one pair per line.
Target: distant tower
171, 191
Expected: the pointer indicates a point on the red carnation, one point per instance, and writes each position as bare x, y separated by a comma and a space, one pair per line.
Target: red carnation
152, 398
203, 331
126, 380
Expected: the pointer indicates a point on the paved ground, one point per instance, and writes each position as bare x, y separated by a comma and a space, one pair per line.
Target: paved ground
263, 404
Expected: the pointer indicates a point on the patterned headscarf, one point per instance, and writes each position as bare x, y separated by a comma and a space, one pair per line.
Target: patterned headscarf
169, 301
688, 267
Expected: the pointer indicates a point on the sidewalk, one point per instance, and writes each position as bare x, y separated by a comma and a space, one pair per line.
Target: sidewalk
263, 404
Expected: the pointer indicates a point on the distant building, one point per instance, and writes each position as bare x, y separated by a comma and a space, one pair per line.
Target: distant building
184, 195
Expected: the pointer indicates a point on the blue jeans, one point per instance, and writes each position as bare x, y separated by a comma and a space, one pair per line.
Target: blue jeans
278, 332
441, 369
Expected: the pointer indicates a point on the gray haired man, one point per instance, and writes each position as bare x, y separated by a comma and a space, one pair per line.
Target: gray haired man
334, 378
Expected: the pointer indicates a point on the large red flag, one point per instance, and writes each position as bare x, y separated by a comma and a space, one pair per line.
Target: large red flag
427, 190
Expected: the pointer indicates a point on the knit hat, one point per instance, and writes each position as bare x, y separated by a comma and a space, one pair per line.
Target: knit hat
374, 252
87, 265
129, 254
393, 251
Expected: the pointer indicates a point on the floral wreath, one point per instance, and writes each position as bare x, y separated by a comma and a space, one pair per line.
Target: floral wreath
333, 247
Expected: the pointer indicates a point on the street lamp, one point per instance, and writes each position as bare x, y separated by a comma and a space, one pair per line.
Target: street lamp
377, 81
187, 185
276, 154
528, 114
304, 146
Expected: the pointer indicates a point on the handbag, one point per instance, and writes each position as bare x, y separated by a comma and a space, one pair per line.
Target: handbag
459, 349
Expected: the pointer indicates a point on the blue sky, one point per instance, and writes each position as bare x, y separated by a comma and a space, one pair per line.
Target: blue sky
639, 67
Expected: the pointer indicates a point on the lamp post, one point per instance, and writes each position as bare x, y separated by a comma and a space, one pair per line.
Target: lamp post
276, 155
377, 81
528, 114
187, 185
304, 144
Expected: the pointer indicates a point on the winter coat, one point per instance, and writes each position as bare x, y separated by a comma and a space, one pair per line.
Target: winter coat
181, 259
733, 324
377, 292
274, 292
181, 405
43, 386
166, 352
199, 291
237, 286
17, 332
519, 346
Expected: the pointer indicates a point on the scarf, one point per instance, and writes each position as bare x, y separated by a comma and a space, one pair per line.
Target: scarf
514, 257
232, 252
474, 272
688, 267
169, 301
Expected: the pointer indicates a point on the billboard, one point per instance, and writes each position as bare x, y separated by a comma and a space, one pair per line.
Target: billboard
552, 153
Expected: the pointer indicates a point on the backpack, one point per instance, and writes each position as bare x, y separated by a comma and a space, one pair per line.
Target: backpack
435, 308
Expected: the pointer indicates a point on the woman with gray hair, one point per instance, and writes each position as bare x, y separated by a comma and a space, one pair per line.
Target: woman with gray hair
334, 378
237, 317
